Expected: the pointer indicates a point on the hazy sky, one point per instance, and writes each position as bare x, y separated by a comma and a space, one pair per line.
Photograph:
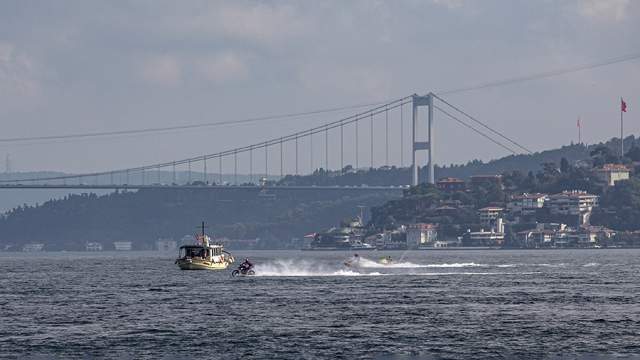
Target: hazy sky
83, 66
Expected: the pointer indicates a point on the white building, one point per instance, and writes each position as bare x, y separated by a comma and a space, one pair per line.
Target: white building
575, 202
489, 215
610, 173
485, 238
93, 246
166, 245
122, 245
33, 247
421, 234
526, 204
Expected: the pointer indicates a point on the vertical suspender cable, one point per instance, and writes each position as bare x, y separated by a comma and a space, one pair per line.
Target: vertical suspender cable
311, 152
341, 148
401, 135
326, 149
371, 133
266, 161
356, 142
235, 167
386, 135
204, 169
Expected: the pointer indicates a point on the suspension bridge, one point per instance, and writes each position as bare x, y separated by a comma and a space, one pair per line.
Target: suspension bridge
360, 139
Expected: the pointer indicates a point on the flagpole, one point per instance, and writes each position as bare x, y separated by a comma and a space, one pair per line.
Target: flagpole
579, 131
621, 131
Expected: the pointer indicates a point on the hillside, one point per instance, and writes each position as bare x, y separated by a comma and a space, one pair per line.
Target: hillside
144, 216
402, 176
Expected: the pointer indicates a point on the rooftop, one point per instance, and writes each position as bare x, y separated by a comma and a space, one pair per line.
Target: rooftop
528, 196
450, 180
613, 167
491, 208
573, 193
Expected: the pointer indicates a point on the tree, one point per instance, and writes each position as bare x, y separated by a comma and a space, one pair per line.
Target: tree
633, 153
564, 165
602, 155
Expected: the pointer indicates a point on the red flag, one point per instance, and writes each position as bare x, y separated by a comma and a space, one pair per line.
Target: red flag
623, 105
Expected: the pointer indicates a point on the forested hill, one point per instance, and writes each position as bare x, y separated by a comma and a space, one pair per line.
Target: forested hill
401, 176
146, 215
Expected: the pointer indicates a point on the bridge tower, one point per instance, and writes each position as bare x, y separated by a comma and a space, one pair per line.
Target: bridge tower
427, 145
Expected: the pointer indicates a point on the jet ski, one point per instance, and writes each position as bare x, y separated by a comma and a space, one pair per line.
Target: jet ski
353, 262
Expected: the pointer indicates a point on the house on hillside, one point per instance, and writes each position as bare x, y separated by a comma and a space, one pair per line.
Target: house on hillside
525, 205
610, 173
574, 203
451, 184
489, 215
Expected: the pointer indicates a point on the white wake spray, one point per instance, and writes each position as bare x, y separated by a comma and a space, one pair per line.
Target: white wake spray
289, 267
367, 263
362, 267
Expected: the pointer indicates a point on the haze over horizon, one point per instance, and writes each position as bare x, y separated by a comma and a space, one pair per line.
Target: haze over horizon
77, 67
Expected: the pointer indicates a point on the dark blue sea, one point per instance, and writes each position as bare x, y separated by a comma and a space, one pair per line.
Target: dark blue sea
576, 304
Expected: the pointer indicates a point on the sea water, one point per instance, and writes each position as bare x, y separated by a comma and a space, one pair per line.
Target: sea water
426, 304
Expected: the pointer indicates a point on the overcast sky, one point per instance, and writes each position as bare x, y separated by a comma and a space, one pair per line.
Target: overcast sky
84, 66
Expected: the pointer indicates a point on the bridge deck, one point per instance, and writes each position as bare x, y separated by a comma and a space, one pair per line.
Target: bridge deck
200, 187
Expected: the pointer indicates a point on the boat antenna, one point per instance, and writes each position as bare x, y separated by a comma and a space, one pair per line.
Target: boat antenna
201, 228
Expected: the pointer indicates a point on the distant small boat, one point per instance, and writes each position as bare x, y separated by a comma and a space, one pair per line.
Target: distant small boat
33, 247
204, 256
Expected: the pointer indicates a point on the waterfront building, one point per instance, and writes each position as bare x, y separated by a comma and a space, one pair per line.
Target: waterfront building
610, 173
489, 215
93, 246
592, 236
561, 236
122, 245
483, 238
535, 238
33, 247
166, 245
421, 234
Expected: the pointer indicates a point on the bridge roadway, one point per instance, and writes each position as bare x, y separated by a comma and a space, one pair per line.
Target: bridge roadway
200, 187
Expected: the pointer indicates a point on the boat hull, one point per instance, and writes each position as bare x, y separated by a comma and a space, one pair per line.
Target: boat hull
193, 264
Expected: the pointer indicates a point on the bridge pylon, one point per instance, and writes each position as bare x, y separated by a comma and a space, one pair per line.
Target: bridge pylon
420, 145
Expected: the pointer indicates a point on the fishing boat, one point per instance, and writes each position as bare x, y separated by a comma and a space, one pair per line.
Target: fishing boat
204, 255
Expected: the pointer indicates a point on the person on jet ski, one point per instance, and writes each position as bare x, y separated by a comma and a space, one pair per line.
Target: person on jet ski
246, 265
353, 261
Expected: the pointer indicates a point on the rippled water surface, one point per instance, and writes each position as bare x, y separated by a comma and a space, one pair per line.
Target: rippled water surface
431, 304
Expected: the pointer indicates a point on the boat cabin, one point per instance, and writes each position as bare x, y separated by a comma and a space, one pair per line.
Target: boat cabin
199, 251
